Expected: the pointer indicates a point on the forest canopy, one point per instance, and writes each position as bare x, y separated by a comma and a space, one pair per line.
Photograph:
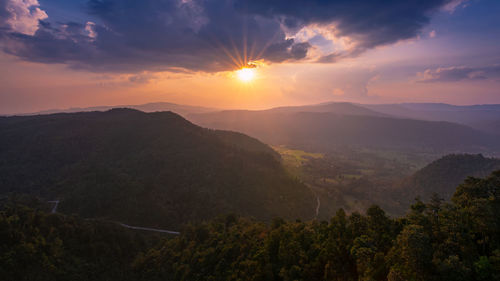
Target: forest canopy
435, 240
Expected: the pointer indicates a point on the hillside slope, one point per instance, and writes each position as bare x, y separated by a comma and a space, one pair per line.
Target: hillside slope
154, 169
443, 175
482, 117
345, 108
320, 131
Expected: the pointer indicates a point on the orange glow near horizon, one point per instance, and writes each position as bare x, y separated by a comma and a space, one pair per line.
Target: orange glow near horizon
55, 86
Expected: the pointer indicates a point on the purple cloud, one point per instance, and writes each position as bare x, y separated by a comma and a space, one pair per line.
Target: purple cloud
204, 35
459, 73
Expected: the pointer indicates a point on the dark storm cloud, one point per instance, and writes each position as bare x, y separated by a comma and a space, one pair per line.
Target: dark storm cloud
460, 73
157, 35
4, 14
210, 35
369, 22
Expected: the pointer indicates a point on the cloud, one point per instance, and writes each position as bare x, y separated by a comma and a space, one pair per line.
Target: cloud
131, 36
454, 4
330, 58
207, 35
327, 84
142, 78
432, 34
459, 73
21, 16
369, 23
90, 28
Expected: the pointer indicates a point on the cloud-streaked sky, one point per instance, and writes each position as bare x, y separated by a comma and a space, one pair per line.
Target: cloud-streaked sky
57, 54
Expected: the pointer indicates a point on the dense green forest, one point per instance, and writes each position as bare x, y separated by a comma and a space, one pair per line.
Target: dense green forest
435, 240
35, 245
443, 175
151, 169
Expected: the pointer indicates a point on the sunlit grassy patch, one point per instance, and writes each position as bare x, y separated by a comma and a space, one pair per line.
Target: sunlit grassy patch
295, 156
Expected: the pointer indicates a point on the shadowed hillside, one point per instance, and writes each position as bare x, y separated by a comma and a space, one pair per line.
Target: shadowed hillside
154, 169
444, 174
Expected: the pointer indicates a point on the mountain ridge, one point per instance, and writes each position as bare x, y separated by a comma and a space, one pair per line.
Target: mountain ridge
318, 130
148, 169
443, 175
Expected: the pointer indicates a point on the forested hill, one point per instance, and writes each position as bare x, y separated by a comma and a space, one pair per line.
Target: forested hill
444, 174
151, 169
434, 241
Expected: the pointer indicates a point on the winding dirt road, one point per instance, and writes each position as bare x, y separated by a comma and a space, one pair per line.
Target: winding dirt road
56, 203
54, 209
149, 229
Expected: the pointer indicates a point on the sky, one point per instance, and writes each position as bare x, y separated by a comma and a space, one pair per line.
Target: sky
81, 53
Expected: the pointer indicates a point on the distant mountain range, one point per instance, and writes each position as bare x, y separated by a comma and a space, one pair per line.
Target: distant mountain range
483, 117
331, 125
148, 169
148, 107
345, 108
431, 127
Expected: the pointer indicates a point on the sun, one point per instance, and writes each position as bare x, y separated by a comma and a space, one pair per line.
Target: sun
246, 74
